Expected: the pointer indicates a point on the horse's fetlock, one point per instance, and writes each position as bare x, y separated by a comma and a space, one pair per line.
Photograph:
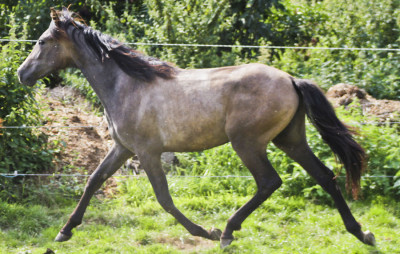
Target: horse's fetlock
199, 231
353, 228
233, 225
72, 222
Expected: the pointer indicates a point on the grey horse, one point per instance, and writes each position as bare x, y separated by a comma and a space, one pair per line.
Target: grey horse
153, 107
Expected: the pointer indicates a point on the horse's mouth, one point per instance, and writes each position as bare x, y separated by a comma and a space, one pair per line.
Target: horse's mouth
28, 80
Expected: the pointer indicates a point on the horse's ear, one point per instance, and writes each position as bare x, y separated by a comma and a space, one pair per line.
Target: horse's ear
54, 16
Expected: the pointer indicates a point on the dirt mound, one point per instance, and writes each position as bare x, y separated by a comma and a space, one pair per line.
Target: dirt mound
345, 94
79, 136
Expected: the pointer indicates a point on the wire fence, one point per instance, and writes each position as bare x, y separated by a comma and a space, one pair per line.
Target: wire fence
16, 174
50, 127
99, 126
233, 46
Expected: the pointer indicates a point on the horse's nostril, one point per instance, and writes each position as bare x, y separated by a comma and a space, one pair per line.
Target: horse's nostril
19, 73
23, 76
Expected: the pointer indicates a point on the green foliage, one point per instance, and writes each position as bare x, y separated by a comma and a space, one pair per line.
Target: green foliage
380, 142
22, 150
355, 24
11, 214
331, 23
32, 12
172, 22
76, 80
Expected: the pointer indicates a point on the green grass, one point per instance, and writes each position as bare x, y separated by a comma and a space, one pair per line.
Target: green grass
133, 222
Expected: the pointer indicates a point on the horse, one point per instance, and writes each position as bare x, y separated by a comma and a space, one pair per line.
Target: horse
153, 107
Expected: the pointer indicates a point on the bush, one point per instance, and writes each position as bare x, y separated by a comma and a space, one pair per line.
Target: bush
334, 24
23, 150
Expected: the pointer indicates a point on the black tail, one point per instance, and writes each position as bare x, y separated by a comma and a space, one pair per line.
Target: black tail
333, 132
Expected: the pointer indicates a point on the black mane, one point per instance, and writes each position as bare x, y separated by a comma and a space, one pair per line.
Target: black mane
104, 46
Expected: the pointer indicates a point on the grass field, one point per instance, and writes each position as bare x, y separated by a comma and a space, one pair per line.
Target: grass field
133, 222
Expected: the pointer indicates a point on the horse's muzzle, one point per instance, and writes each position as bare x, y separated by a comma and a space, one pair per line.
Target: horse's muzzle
24, 78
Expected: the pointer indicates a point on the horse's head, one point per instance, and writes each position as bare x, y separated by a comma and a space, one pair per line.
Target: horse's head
52, 52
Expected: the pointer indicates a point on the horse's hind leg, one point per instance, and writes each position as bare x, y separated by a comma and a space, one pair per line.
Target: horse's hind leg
293, 142
267, 180
152, 165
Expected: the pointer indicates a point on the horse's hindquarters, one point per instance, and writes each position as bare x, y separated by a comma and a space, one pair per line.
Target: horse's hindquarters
263, 106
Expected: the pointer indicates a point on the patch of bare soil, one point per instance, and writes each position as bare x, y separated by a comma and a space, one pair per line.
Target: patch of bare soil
83, 134
191, 244
345, 94
78, 135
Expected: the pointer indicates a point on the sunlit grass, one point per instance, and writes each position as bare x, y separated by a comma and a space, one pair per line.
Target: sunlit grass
135, 223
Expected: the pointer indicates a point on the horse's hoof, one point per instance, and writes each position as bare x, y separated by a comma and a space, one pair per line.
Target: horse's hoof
225, 242
369, 238
62, 237
215, 234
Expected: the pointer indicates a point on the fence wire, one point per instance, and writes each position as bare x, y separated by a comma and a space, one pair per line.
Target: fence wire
50, 127
232, 46
16, 174
99, 126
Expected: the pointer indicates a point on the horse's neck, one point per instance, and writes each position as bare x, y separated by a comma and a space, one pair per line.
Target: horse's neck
104, 79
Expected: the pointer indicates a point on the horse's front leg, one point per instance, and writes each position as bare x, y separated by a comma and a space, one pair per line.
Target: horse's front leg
111, 163
152, 165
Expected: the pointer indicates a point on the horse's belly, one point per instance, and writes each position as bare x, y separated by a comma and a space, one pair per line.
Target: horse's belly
196, 134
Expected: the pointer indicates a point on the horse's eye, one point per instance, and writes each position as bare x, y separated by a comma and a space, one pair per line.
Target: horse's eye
41, 42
